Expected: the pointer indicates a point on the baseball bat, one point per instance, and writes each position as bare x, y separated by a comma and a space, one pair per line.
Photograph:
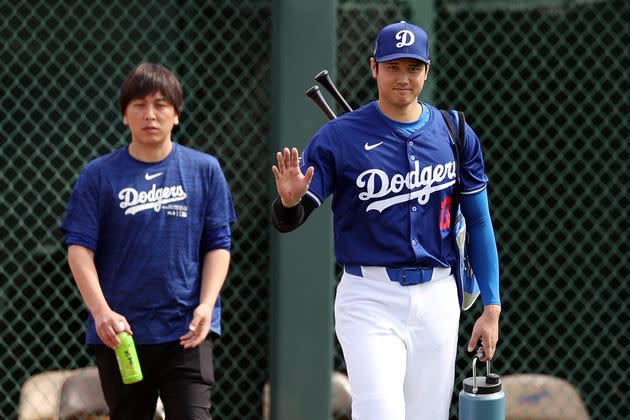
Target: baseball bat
316, 96
323, 78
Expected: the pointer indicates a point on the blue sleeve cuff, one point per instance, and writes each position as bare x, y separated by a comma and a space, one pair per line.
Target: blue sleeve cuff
218, 238
75, 238
483, 249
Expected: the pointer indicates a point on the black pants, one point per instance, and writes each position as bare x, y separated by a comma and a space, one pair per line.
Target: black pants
183, 378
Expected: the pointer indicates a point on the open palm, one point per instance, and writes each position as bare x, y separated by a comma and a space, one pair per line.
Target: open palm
290, 182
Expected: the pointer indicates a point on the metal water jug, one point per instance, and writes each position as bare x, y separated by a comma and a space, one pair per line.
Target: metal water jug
482, 398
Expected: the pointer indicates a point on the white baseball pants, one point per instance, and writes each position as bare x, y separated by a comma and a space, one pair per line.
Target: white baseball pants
399, 344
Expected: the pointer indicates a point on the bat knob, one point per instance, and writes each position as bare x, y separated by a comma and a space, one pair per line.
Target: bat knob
321, 75
312, 91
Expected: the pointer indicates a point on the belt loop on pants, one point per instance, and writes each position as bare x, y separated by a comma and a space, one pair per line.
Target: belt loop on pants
406, 276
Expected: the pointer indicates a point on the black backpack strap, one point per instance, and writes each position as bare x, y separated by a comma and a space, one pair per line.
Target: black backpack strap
462, 129
458, 136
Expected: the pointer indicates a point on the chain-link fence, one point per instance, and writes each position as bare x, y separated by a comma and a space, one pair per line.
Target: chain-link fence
546, 89
544, 85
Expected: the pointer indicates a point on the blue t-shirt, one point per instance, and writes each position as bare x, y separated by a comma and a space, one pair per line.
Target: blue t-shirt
391, 190
150, 225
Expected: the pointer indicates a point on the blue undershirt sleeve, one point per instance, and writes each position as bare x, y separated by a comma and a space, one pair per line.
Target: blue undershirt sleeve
483, 249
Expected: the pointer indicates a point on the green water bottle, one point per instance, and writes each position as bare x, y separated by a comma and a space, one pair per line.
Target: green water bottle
128, 358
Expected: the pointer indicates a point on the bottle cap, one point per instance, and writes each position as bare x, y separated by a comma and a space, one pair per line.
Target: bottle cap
492, 379
483, 386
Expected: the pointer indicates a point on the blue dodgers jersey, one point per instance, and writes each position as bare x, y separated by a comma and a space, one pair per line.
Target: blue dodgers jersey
149, 225
391, 191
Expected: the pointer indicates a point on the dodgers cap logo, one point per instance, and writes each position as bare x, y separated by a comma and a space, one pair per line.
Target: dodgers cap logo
402, 40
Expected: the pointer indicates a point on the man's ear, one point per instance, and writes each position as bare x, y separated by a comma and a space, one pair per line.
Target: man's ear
374, 67
176, 119
125, 120
426, 74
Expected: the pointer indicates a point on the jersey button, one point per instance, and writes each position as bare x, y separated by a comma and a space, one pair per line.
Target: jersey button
410, 143
413, 242
413, 157
414, 208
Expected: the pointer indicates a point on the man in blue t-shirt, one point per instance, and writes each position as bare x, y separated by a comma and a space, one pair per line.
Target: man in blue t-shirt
148, 235
391, 170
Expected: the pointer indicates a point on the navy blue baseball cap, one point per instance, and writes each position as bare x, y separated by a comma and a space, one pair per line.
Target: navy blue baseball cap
402, 40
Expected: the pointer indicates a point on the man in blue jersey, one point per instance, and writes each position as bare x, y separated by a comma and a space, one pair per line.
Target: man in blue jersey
391, 170
148, 235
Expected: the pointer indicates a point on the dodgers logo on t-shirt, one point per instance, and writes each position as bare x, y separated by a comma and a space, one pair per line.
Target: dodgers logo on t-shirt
155, 198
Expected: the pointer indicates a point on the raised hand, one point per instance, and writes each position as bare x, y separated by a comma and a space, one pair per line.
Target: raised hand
290, 182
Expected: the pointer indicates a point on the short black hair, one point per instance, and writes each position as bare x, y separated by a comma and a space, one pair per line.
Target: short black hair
150, 78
